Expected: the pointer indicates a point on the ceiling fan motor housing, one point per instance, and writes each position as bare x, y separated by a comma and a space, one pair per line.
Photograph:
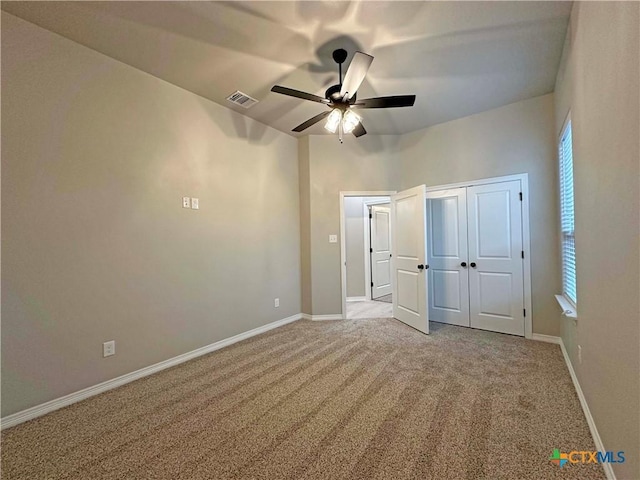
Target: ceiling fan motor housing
333, 94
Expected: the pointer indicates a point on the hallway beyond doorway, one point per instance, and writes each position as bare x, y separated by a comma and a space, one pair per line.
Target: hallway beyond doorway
369, 309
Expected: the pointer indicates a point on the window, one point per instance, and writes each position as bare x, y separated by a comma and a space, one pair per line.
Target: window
565, 154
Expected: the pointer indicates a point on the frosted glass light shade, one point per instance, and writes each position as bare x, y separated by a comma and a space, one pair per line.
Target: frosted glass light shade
333, 120
350, 121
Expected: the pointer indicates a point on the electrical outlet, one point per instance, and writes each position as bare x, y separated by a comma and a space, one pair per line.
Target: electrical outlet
276, 302
333, 239
186, 202
109, 348
195, 204
579, 354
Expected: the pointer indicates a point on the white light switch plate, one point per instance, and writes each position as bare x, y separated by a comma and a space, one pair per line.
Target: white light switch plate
195, 203
333, 239
186, 202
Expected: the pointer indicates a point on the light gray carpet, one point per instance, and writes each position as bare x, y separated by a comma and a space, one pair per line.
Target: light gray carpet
363, 399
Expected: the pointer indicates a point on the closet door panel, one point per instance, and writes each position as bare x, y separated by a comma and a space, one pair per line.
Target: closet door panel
496, 287
447, 255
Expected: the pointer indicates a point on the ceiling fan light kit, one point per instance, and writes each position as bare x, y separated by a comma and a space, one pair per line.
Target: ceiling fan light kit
341, 98
334, 118
349, 121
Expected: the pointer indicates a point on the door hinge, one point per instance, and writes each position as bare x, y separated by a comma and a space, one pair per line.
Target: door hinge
524, 310
520, 196
372, 284
371, 250
522, 253
370, 215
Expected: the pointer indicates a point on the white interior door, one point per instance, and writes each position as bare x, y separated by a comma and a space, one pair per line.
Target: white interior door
447, 255
380, 251
408, 248
495, 257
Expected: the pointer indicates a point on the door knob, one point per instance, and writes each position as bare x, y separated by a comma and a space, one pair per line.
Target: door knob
473, 264
420, 267
463, 264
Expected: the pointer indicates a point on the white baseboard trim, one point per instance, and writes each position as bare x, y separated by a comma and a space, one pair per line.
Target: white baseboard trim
356, 299
50, 406
306, 316
539, 337
608, 468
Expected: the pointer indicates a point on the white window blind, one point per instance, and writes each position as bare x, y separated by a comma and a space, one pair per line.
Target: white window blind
567, 216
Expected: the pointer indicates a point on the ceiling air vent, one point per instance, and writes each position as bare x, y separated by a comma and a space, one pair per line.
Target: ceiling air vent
242, 99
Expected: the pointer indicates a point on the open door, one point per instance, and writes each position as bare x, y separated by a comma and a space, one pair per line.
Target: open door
380, 251
409, 253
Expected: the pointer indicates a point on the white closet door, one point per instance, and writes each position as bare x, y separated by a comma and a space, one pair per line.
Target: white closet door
495, 246
408, 246
380, 251
447, 252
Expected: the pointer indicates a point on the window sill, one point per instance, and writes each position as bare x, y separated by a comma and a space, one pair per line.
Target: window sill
568, 310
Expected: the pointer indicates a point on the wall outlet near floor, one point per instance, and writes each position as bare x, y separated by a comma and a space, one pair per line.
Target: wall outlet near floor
579, 354
333, 239
109, 348
276, 302
195, 203
186, 202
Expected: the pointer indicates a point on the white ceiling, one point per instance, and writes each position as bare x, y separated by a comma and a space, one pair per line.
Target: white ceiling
459, 58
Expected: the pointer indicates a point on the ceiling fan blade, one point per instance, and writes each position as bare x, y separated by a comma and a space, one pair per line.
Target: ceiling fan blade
298, 94
311, 121
355, 74
386, 102
359, 130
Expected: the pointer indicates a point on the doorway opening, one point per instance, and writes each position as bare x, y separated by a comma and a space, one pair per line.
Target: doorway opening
365, 254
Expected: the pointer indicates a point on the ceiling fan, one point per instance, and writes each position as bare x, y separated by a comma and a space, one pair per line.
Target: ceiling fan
341, 98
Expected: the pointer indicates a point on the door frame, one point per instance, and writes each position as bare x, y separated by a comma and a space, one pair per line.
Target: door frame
343, 246
526, 244
367, 243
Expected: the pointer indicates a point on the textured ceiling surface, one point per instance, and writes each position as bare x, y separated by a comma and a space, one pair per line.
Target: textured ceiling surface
459, 58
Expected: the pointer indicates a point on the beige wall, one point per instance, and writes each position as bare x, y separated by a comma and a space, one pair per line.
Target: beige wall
599, 82
517, 138
95, 159
305, 224
364, 164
